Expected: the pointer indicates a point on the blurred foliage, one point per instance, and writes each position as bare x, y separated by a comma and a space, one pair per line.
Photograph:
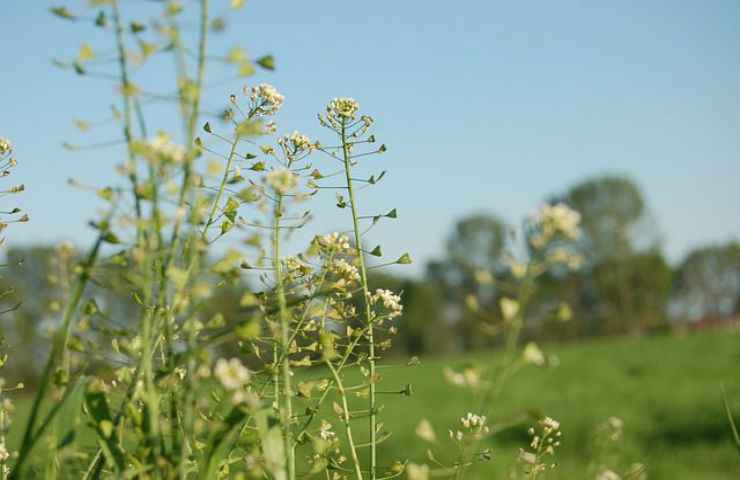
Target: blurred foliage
621, 289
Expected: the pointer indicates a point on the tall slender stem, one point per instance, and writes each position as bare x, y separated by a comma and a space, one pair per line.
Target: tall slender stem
59, 345
366, 296
127, 114
287, 411
346, 419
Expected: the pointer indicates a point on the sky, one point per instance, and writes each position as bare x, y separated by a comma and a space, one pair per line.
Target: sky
485, 106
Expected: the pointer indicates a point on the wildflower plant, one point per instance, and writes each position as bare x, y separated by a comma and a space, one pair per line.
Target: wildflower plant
289, 385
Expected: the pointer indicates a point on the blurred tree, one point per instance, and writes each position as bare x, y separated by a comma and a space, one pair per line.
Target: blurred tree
611, 208
421, 320
38, 286
634, 292
708, 281
625, 278
477, 243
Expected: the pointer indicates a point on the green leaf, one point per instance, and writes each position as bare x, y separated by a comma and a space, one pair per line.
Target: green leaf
250, 128
137, 27
246, 69
376, 252
237, 56
147, 49
728, 412
249, 194
392, 214
106, 193
220, 443
86, 53
111, 238
258, 166
97, 406
267, 62
248, 330
101, 20
404, 259
63, 12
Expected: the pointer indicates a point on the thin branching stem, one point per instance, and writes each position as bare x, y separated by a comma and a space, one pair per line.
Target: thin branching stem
366, 297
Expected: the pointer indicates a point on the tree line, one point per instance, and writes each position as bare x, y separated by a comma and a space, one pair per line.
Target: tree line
621, 283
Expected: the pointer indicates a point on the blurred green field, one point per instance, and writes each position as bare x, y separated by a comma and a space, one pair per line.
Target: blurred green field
666, 389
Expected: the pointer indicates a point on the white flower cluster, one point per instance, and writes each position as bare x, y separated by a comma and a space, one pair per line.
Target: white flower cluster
342, 108
282, 180
325, 431
345, 270
334, 242
562, 256
163, 149
532, 354
542, 445
295, 266
468, 378
607, 474
270, 127
296, 142
391, 302
554, 219
5, 146
549, 425
231, 373
473, 425
266, 99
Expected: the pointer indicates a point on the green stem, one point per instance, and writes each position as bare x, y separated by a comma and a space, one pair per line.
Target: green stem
58, 347
346, 419
127, 114
287, 412
366, 296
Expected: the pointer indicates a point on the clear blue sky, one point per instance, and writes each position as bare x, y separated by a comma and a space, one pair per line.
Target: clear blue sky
485, 105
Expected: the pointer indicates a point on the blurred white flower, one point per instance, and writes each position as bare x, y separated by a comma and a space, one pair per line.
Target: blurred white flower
231, 373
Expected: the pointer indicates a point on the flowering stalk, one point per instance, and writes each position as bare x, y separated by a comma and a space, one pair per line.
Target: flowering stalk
287, 391
126, 91
59, 345
365, 291
346, 419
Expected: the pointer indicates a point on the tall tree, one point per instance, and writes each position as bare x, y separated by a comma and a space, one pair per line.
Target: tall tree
477, 243
708, 281
625, 272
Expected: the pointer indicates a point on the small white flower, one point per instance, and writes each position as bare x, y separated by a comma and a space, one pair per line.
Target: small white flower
298, 141
554, 219
282, 180
532, 354
509, 308
346, 270
417, 472
345, 108
4, 454
549, 423
5, 146
391, 302
231, 373
161, 148
425, 431
325, 431
335, 242
527, 457
266, 99
607, 474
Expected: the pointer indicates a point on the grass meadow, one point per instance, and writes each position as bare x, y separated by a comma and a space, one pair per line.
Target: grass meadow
665, 388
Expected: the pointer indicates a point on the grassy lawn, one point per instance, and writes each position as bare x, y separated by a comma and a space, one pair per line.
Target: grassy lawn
666, 389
